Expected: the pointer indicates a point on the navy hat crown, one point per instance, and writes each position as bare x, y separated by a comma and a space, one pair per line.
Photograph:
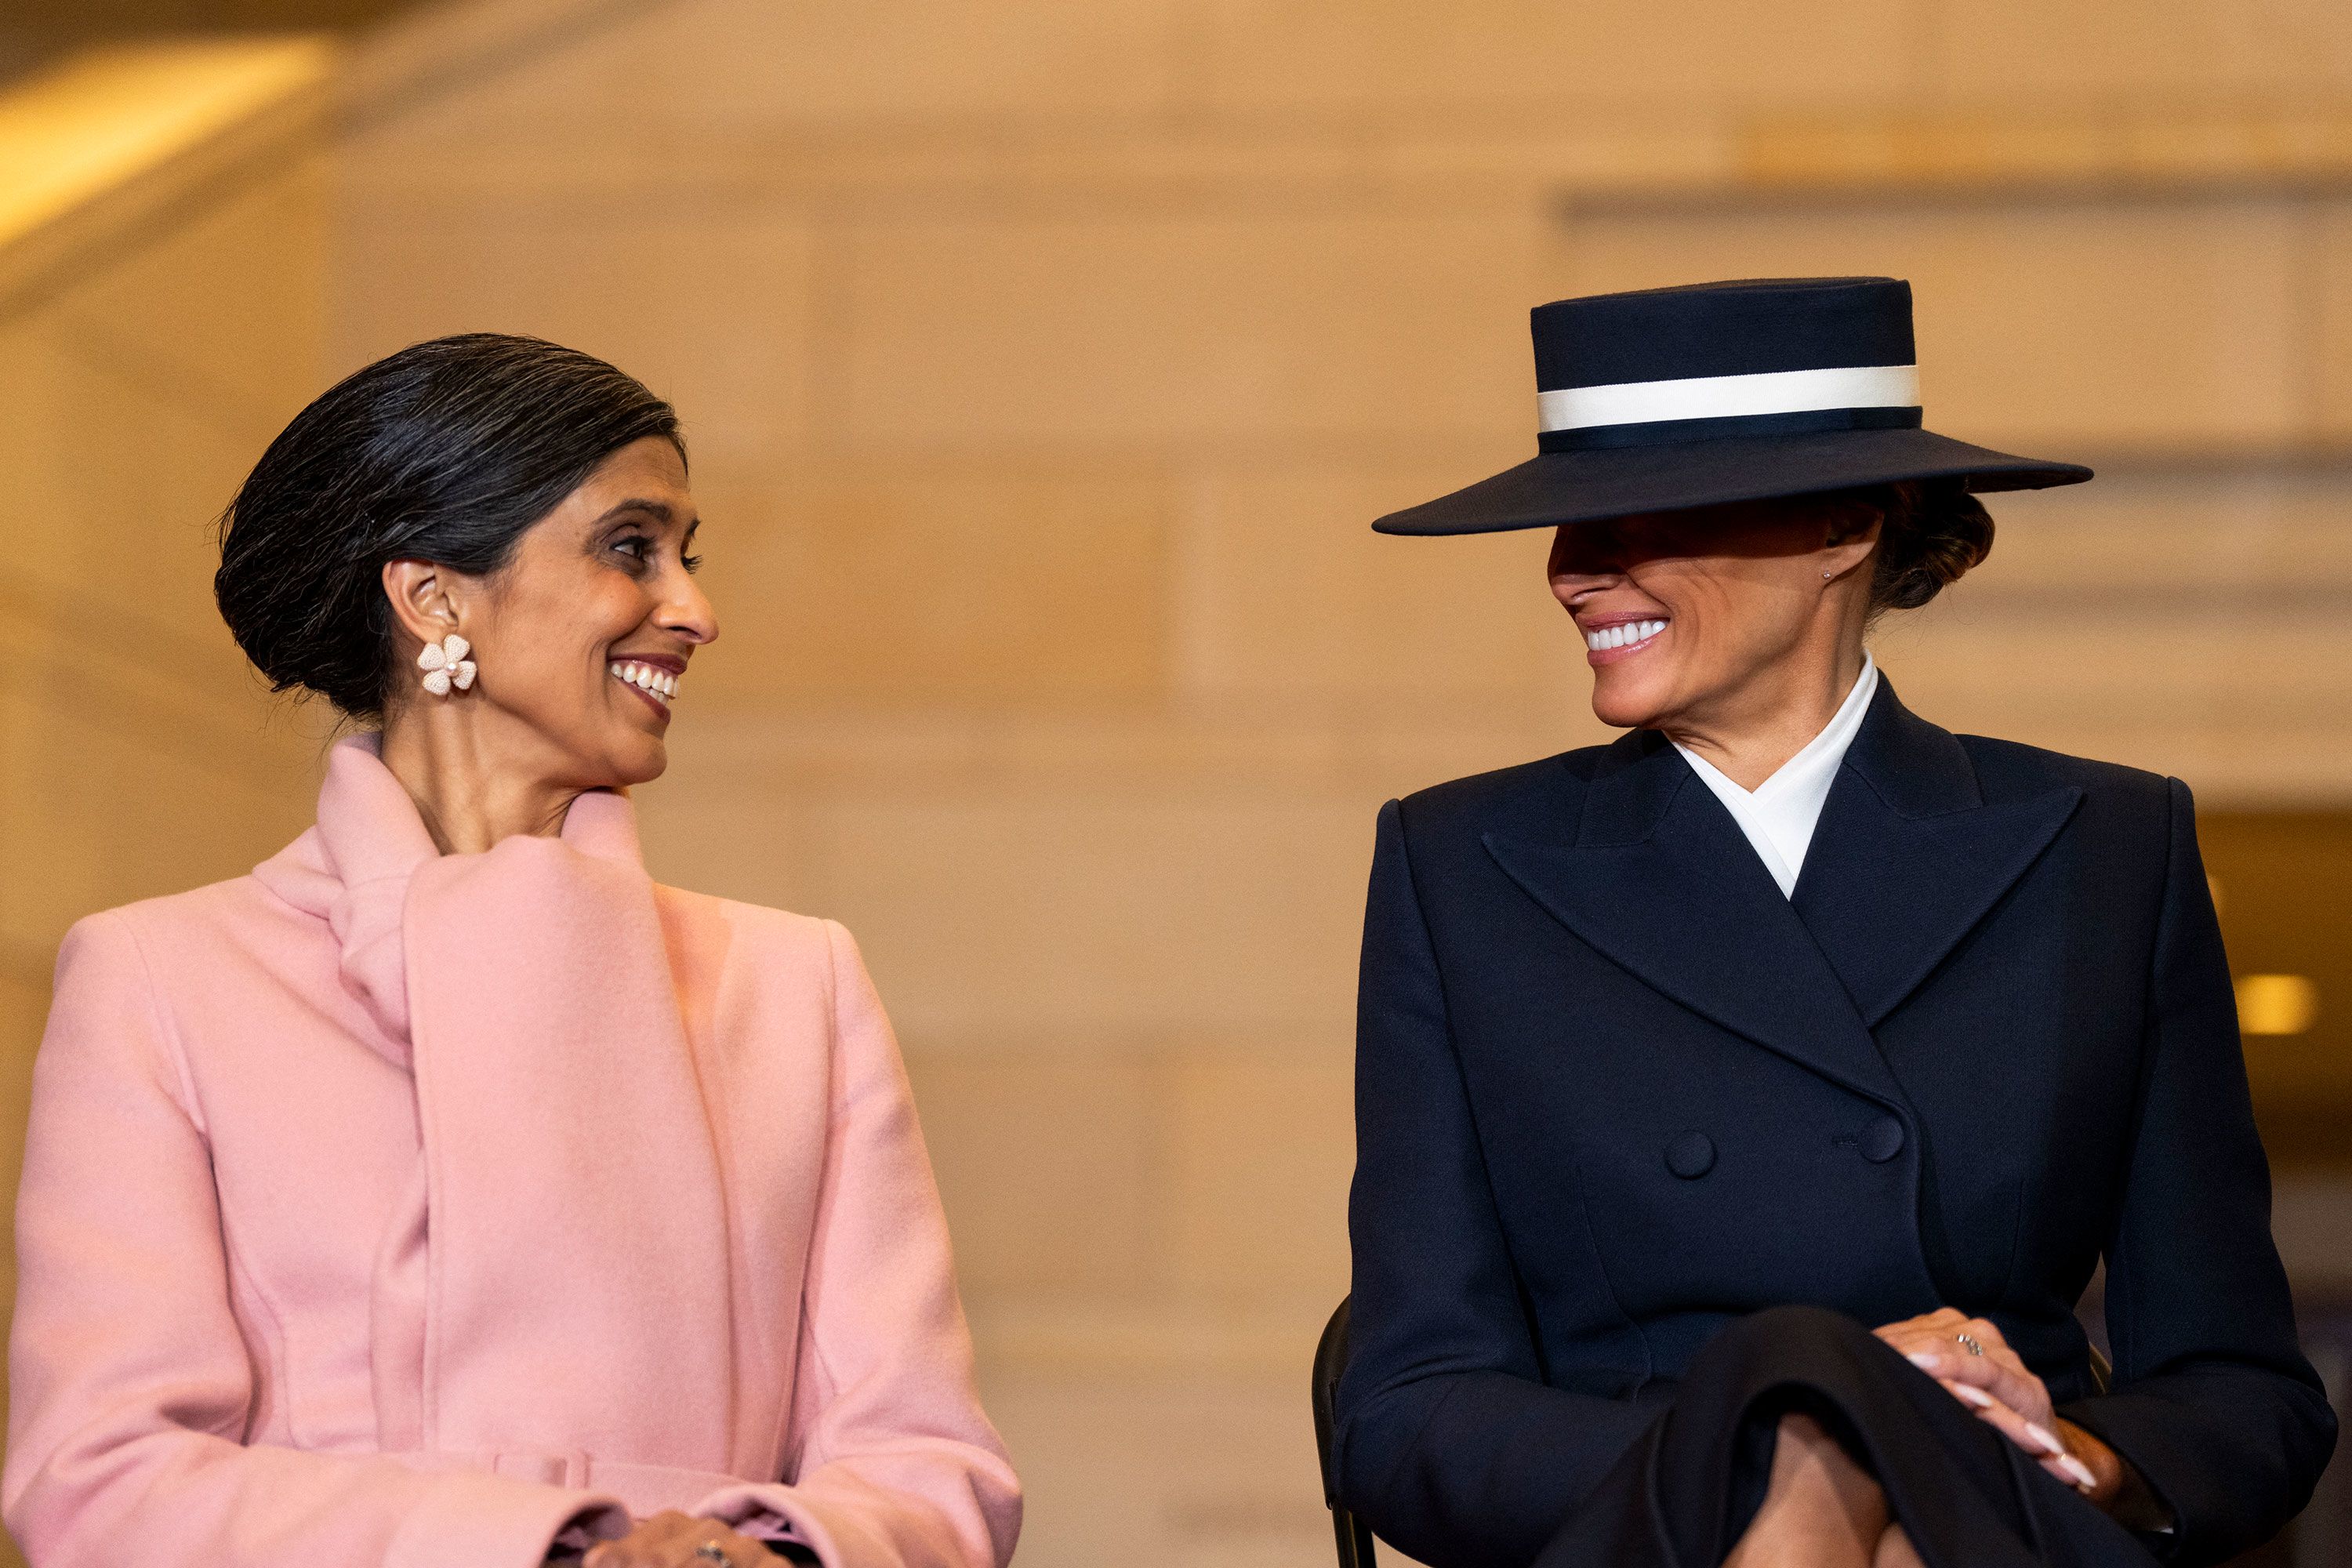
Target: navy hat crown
1762, 356
1741, 328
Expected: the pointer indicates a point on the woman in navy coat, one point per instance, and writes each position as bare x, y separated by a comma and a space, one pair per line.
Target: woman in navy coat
1744, 1106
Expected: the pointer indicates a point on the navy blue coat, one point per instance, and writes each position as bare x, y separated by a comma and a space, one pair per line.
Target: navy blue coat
1614, 1090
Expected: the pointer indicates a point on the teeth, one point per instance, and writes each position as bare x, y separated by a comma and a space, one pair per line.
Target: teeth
1623, 636
645, 678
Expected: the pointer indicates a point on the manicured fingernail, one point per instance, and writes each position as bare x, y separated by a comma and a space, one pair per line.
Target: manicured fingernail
2049, 1440
2079, 1471
1921, 1359
1976, 1396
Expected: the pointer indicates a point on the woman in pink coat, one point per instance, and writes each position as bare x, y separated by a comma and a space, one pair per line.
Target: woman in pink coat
445, 1194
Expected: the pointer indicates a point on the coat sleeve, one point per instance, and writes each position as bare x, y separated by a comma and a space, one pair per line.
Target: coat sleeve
130, 1389
1448, 1442
896, 1464
2213, 1403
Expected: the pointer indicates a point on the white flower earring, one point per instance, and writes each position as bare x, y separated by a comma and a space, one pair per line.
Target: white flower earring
445, 665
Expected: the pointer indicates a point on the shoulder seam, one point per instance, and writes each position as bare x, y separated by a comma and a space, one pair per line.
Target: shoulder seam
167, 1032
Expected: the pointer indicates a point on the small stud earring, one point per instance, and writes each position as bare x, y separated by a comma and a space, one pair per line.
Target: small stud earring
445, 665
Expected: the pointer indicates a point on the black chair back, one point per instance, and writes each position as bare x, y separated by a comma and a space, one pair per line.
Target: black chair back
1354, 1537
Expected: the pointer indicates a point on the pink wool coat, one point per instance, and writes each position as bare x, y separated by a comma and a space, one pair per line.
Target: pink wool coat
388, 1207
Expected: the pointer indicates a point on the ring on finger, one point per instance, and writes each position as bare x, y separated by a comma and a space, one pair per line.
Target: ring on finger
711, 1551
1971, 1344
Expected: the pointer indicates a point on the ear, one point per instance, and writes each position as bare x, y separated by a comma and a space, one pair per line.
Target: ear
1851, 538
422, 603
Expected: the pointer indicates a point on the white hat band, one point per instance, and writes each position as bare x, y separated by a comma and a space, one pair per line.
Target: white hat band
1729, 396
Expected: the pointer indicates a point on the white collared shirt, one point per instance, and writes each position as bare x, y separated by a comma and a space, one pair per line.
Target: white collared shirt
1779, 814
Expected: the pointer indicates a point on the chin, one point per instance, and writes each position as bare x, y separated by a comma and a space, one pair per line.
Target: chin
1624, 704
641, 759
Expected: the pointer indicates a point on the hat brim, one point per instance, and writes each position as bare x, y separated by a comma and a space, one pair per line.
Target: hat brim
1588, 486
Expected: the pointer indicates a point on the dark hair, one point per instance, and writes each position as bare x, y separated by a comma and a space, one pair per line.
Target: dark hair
447, 452
1930, 532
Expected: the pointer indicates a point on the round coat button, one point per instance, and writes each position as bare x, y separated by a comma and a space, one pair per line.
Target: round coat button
1690, 1155
1882, 1140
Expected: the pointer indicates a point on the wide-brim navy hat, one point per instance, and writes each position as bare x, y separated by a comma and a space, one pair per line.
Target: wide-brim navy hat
1667, 398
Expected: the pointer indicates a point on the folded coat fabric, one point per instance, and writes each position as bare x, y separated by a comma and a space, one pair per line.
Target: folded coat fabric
391, 1207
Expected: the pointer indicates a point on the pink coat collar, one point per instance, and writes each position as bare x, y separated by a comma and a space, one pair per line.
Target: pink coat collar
353, 869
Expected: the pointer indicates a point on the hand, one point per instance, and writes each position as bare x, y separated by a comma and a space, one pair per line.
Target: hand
668, 1540
2003, 1392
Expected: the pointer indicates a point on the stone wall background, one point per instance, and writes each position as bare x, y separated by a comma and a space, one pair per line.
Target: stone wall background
1044, 363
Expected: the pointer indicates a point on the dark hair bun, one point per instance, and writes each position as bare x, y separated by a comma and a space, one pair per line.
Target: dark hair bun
447, 452
1933, 531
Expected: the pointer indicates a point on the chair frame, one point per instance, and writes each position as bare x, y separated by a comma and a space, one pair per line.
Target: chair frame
1353, 1536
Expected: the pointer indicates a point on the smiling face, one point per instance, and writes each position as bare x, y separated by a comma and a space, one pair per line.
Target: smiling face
1690, 618
582, 639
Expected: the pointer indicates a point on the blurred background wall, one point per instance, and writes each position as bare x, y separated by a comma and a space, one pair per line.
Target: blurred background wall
1043, 361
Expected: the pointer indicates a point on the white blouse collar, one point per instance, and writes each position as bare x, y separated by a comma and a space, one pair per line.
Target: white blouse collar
1779, 814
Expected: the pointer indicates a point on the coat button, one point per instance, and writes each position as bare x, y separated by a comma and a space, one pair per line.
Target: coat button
1690, 1155
1882, 1140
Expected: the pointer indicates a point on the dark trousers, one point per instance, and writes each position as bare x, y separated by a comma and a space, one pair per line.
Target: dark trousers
1966, 1495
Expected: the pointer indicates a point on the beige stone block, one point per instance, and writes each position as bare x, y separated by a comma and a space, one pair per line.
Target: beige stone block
1396, 759
840, 61
2188, 49
1381, 57
1176, 910
2258, 755
1162, 1334
1264, 1147
1287, 589
630, 87
705, 301
1257, 327
1199, 1472
2068, 148
1050, 1161
2332, 351
222, 310
109, 799
2252, 724
133, 472
24, 1009
719, 826
2158, 543
927, 587
2138, 327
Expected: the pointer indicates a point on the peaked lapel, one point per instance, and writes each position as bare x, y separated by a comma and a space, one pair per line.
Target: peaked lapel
1659, 879
1908, 857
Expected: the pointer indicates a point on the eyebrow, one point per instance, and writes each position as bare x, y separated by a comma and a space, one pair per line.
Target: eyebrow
660, 510
637, 503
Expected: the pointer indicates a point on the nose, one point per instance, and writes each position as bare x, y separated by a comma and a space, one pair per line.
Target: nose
1586, 549
685, 610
